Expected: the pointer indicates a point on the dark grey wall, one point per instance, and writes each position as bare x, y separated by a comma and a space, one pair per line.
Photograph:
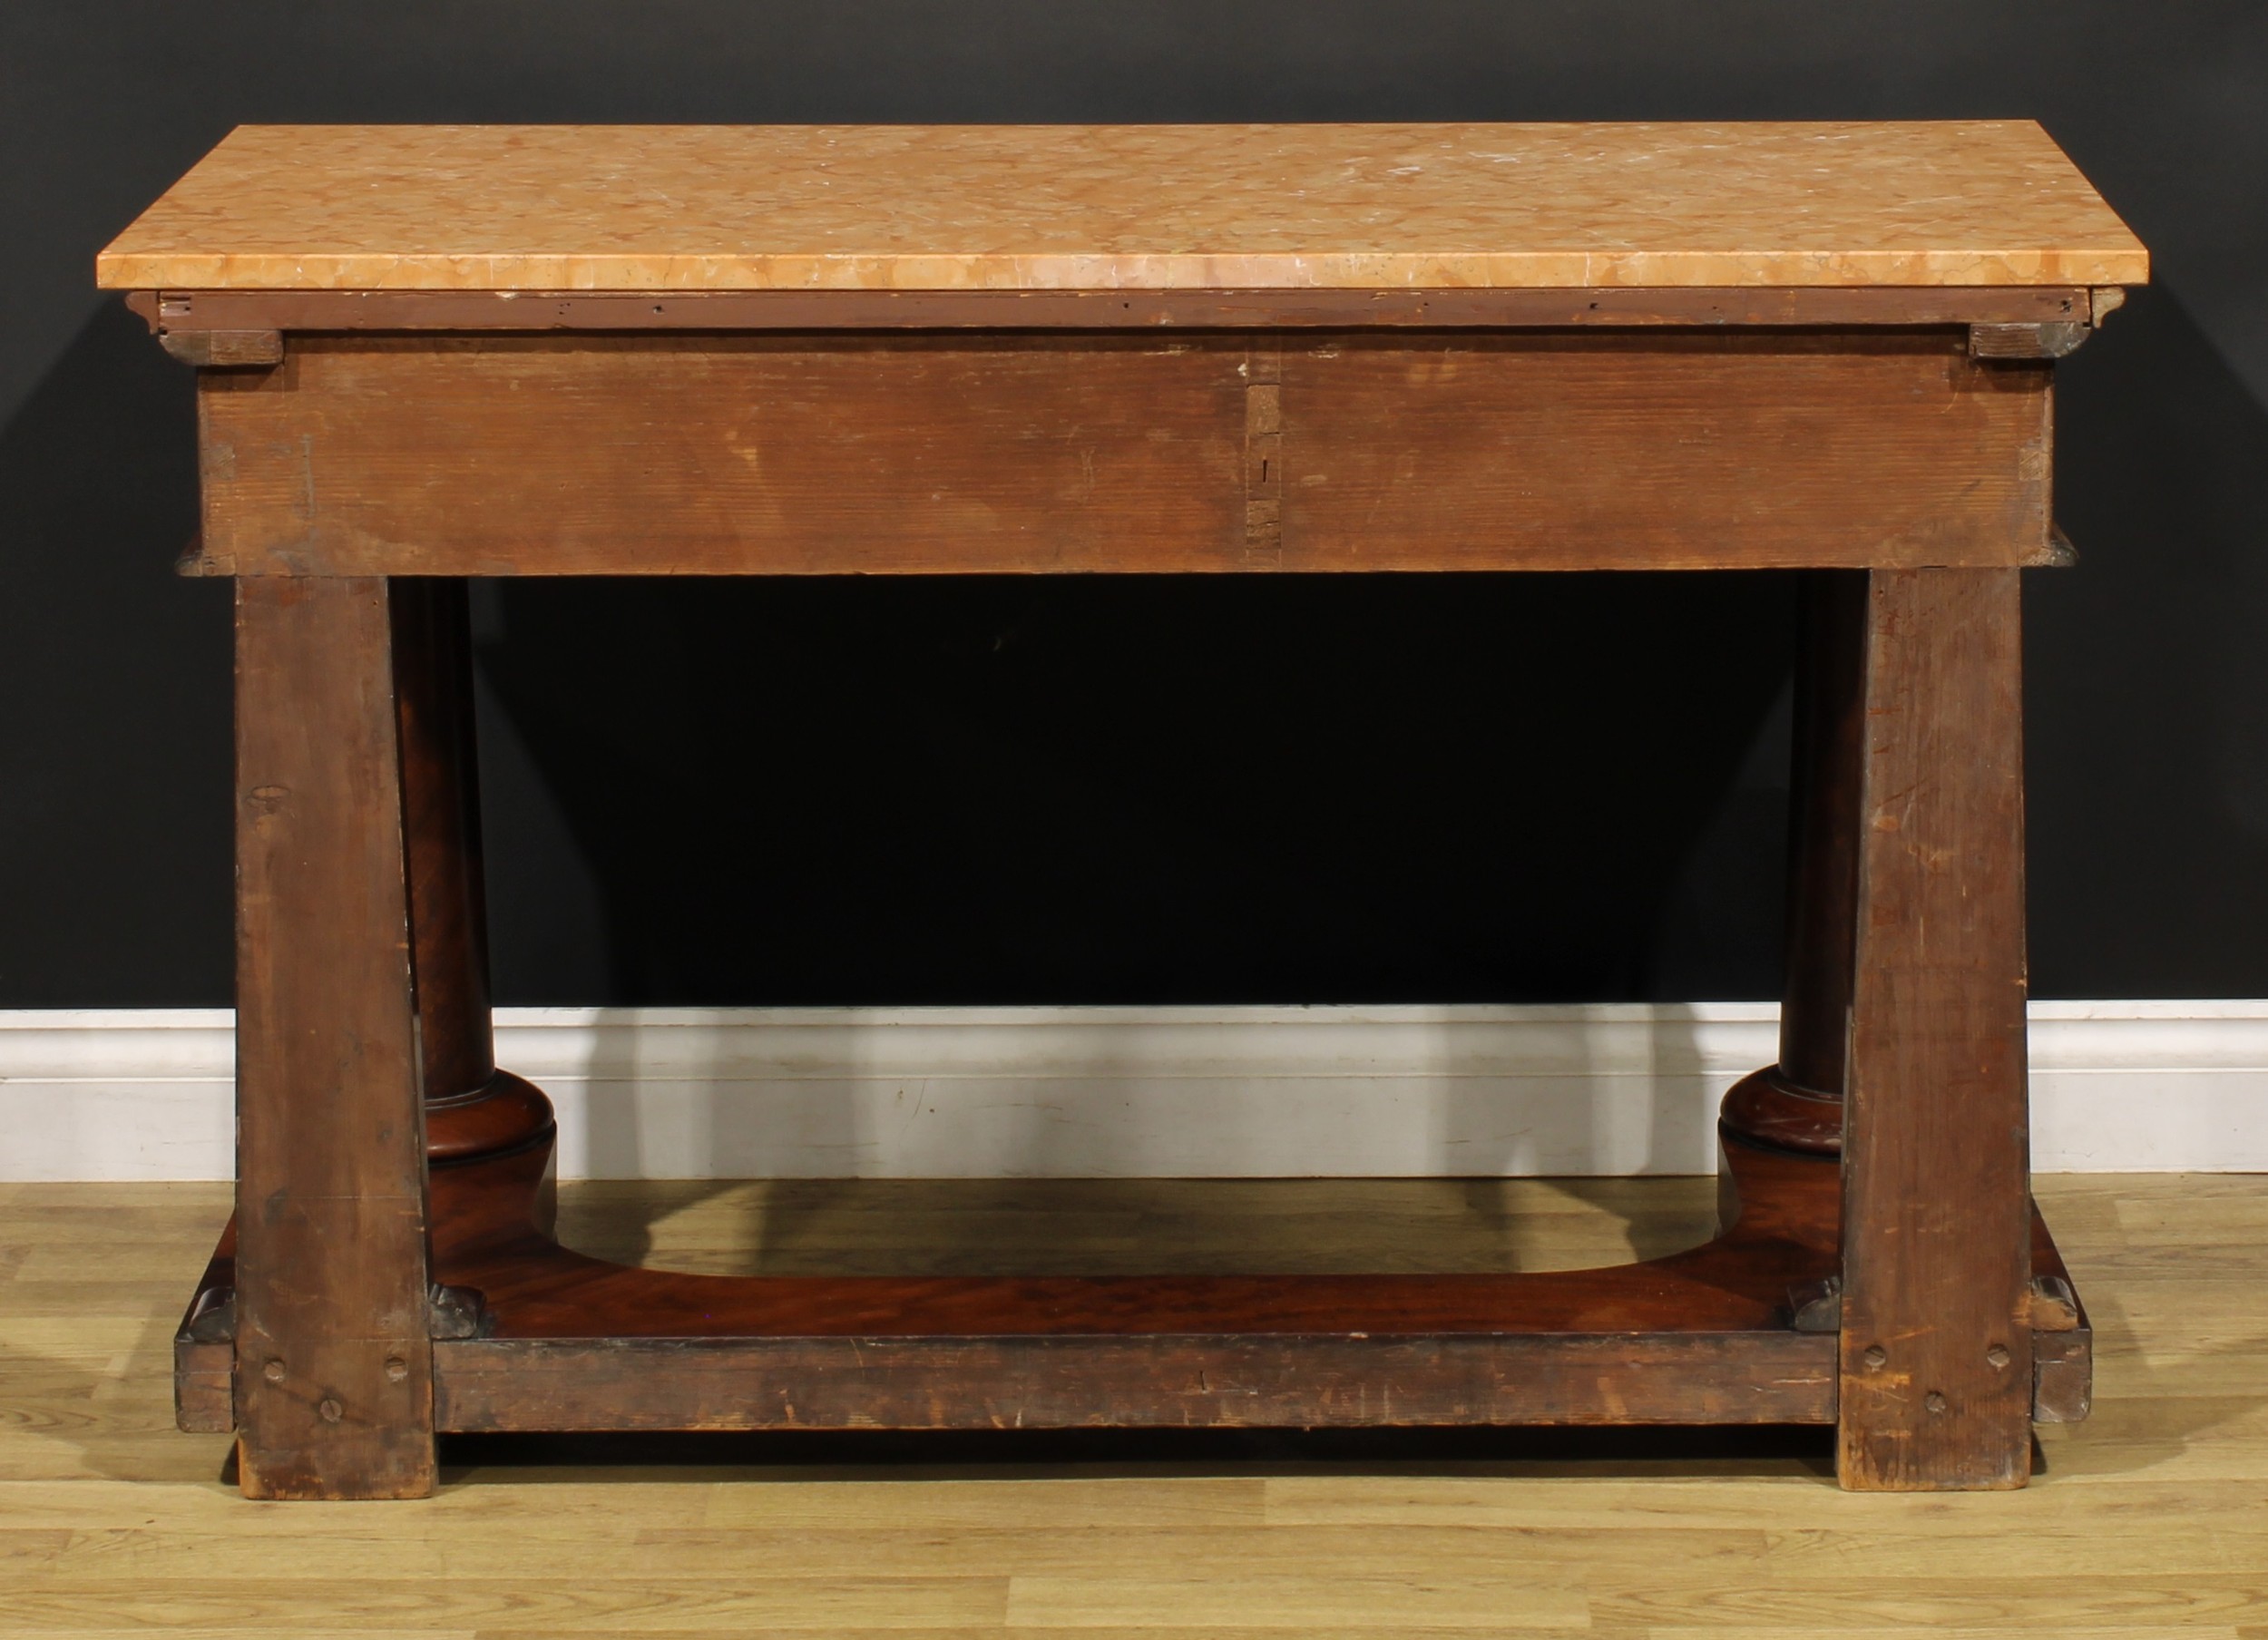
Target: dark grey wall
1135, 790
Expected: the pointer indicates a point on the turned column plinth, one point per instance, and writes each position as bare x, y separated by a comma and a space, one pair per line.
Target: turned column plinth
1797, 1103
1766, 1108
472, 1109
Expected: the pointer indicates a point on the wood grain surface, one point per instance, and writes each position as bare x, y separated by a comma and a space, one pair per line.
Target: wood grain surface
441, 828
1937, 1350
470, 1106
602, 1335
334, 1385
1109, 207
783, 455
1149, 1382
1823, 799
2143, 1524
1708, 452
575, 1342
228, 316
538, 1291
1797, 1103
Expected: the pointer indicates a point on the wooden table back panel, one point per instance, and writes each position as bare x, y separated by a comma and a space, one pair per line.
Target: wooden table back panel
722, 454
1051, 452
1694, 450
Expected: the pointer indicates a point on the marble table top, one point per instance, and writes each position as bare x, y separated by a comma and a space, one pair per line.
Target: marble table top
569, 207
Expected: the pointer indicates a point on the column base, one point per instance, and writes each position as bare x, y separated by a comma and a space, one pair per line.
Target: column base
1767, 1108
502, 1114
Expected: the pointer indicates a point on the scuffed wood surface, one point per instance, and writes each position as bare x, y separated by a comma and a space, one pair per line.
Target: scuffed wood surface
334, 1385
537, 1290
1937, 1346
788, 454
180, 316
1150, 1382
1577, 453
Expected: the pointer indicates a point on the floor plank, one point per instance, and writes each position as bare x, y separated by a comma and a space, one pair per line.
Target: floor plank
2146, 1523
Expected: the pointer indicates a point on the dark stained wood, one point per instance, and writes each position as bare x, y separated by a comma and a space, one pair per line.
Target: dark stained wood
470, 1106
1895, 440
2052, 340
1662, 452
503, 1113
177, 311
927, 454
534, 1288
1798, 1102
204, 1387
1770, 1108
1937, 1354
224, 349
743, 455
1204, 1378
1824, 825
441, 814
334, 1382
204, 1347
2063, 1362
573, 1341
1264, 458
1138, 1380
2063, 1376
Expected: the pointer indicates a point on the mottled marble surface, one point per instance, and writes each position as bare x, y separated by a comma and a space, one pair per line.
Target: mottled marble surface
959, 208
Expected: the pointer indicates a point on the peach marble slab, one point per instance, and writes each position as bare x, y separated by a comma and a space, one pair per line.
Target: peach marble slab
1101, 207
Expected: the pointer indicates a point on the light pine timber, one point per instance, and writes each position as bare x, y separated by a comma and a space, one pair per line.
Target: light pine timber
2144, 1522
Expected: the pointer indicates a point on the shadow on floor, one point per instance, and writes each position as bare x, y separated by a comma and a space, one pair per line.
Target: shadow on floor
1008, 1455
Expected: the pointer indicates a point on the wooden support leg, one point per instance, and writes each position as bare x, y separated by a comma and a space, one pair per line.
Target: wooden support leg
334, 1359
1936, 1345
1797, 1104
472, 1109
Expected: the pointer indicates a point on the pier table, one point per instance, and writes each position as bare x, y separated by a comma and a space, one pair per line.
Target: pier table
430, 354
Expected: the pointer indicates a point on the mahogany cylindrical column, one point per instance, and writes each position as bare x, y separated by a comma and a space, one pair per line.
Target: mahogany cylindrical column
1797, 1104
472, 1108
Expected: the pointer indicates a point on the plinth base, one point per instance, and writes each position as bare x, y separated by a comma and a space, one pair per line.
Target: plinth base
1771, 1109
543, 1338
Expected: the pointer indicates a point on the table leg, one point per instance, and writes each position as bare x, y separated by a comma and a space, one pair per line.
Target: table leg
1936, 1345
333, 1361
472, 1109
1797, 1104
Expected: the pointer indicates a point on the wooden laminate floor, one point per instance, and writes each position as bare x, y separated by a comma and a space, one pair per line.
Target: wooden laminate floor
2149, 1520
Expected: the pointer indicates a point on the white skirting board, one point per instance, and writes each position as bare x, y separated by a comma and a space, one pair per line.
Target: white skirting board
1138, 1092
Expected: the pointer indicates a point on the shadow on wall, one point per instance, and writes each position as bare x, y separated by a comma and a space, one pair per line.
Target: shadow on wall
1443, 789
1586, 1094
1132, 790
1135, 789
114, 738
2147, 686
